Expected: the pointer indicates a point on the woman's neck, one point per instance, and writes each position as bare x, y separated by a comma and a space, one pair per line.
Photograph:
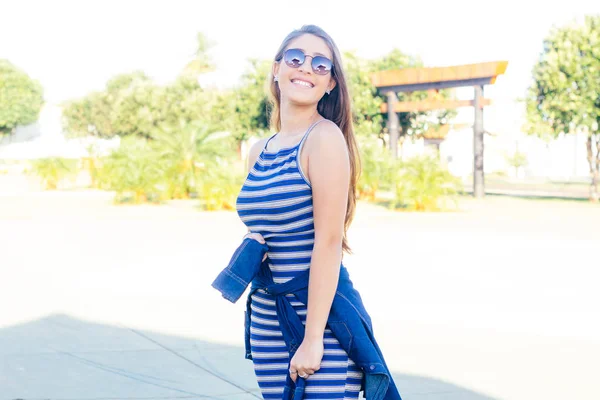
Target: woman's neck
295, 120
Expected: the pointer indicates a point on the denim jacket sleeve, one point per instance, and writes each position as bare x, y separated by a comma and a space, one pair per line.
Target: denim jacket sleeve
242, 268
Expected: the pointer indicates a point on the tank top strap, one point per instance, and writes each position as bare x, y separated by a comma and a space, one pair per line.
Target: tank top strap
307, 132
268, 140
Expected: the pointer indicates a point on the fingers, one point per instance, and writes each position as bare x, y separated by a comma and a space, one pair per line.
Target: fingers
256, 236
301, 372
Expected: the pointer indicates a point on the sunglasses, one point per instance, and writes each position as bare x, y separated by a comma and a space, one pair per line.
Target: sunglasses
320, 65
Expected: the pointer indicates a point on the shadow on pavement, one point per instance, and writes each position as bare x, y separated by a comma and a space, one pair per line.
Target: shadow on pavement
60, 357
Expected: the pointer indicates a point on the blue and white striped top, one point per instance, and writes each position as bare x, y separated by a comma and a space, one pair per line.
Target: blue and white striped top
276, 201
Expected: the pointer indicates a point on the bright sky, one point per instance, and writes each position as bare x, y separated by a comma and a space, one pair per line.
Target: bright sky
74, 47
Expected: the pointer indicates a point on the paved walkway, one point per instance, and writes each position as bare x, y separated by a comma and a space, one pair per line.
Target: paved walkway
498, 301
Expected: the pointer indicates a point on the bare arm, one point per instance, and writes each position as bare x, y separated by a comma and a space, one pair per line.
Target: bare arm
329, 172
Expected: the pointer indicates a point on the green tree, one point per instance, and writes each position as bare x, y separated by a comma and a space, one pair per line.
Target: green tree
126, 81
366, 103
245, 109
132, 105
517, 160
186, 100
564, 97
21, 98
121, 109
90, 115
136, 104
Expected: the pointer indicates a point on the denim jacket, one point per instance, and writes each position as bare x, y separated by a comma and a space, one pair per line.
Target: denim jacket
348, 319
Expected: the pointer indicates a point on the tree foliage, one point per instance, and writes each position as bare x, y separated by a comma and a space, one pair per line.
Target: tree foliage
177, 137
21, 98
564, 97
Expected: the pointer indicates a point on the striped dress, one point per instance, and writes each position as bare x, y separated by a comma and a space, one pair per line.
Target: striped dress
276, 201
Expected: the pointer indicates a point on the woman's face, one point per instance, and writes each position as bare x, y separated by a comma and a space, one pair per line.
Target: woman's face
289, 77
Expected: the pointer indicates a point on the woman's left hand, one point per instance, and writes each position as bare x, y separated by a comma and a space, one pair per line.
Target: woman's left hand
307, 359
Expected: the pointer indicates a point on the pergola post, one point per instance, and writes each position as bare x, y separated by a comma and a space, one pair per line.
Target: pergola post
478, 175
393, 122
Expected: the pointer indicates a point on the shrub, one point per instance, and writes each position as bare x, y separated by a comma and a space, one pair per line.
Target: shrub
182, 151
53, 170
132, 171
423, 184
376, 167
220, 184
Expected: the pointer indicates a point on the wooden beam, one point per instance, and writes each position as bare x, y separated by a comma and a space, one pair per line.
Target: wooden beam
428, 75
426, 105
435, 85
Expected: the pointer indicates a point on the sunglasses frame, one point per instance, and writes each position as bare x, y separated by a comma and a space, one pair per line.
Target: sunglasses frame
311, 61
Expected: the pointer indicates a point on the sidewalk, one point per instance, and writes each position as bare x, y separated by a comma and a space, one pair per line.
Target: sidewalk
494, 302
62, 357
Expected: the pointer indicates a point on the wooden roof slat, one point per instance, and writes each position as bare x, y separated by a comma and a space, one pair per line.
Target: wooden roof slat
426, 105
413, 79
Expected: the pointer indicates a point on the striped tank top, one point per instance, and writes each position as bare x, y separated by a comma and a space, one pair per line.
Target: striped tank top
276, 201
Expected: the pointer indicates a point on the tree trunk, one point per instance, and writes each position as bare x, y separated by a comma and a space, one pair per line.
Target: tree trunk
594, 170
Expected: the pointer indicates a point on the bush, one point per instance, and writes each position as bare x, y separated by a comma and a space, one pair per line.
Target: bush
219, 185
376, 167
133, 172
180, 163
423, 184
53, 170
183, 151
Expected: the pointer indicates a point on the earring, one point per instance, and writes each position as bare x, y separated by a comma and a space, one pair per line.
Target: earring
328, 91
276, 78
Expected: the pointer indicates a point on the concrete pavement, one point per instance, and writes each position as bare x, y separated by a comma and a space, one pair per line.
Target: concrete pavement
497, 301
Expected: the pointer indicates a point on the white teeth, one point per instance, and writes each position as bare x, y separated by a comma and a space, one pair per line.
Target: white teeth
302, 83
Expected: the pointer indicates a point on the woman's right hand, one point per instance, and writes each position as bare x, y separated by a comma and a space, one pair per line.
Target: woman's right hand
258, 237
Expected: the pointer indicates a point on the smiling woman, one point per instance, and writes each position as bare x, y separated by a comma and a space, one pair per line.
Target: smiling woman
299, 198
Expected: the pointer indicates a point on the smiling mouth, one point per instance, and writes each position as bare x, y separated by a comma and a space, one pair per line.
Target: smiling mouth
302, 84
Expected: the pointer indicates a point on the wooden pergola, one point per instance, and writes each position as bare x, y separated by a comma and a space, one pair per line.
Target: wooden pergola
432, 80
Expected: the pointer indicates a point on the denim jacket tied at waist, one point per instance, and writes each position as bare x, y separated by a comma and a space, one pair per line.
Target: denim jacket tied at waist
348, 319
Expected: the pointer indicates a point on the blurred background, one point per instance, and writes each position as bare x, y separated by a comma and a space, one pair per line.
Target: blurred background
124, 133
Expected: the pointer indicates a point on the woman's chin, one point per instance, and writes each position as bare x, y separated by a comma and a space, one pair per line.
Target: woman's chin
302, 98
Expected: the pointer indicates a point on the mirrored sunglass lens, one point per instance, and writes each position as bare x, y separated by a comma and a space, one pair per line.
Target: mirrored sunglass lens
294, 58
321, 65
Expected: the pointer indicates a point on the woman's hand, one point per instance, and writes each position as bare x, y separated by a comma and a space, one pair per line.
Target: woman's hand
307, 359
258, 237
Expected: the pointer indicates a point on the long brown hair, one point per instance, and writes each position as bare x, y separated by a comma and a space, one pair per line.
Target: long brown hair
335, 107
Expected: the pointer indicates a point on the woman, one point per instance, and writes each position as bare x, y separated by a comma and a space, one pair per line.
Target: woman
299, 198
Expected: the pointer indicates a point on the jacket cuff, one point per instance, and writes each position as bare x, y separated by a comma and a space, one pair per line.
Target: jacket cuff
230, 285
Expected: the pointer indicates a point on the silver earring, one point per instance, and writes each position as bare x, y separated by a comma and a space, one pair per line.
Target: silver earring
276, 78
328, 91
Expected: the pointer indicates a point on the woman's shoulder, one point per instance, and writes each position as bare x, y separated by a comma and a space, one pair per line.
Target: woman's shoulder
326, 135
255, 151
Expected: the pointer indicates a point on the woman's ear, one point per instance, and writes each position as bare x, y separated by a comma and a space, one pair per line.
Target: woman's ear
332, 84
275, 69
